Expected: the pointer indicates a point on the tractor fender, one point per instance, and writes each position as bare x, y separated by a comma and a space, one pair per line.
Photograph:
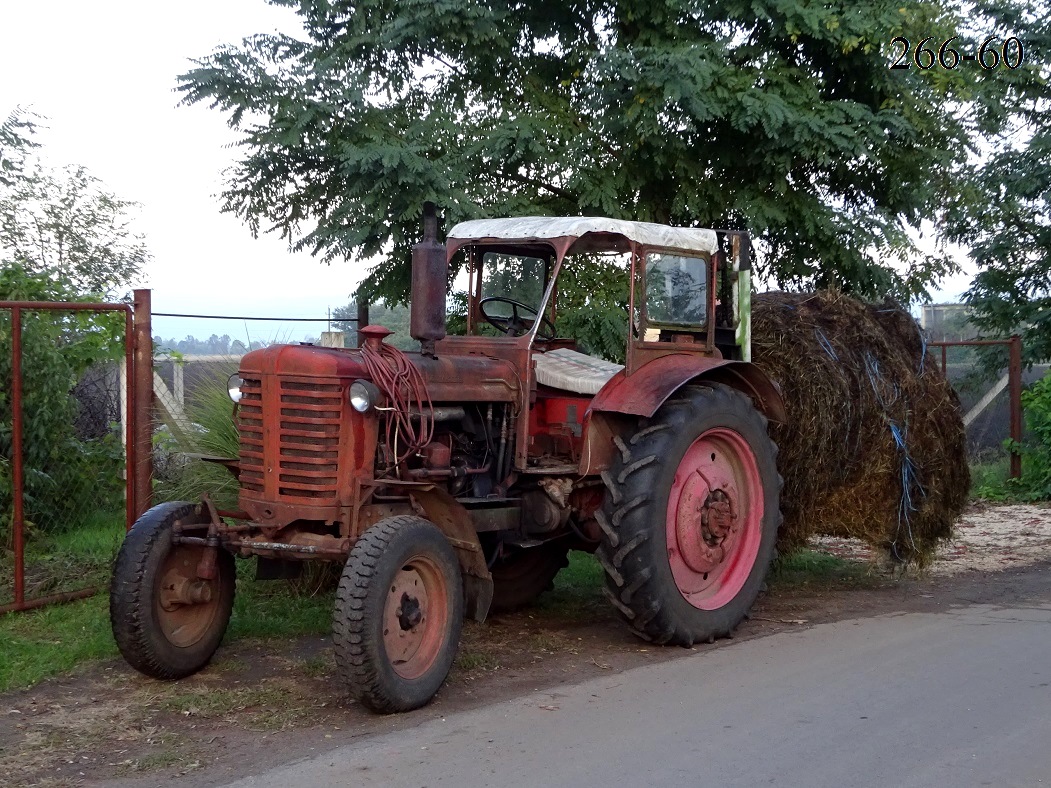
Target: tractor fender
455, 522
643, 392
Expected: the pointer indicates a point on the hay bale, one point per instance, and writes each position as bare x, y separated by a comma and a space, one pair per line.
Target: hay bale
874, 444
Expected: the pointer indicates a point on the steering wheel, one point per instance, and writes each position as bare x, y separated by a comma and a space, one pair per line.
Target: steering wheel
516, 325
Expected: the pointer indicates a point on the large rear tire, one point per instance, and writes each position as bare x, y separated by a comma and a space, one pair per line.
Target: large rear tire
691, 517
166, 620
522, 576
398, 614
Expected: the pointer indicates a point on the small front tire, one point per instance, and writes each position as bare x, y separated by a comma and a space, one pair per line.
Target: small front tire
398, 614
166, 620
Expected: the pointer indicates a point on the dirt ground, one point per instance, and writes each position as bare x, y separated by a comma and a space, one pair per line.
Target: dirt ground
262, 703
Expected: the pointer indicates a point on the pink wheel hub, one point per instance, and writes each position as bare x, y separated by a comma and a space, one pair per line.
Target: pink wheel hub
415, 617
715, 516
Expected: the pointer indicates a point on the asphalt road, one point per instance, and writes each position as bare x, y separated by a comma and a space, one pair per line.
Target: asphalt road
961, 698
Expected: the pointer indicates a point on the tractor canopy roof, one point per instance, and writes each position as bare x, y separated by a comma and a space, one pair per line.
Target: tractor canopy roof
583, 233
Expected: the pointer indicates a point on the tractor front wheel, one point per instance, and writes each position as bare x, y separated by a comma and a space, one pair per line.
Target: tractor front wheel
398, 614
167, 620
691, 517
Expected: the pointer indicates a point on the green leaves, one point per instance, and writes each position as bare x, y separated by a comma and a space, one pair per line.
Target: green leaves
62, 474
16, 140
1004, 210
65, 223
780, 117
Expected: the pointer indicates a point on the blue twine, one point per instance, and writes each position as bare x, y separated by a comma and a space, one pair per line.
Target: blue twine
912, 489
825, 344
910, 482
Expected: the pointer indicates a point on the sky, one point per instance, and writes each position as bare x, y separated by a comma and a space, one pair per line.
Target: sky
103, 73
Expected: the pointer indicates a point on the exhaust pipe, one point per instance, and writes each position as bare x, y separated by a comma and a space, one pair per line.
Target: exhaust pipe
430, 273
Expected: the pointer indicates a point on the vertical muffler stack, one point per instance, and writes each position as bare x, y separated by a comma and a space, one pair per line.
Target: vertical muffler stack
430, 271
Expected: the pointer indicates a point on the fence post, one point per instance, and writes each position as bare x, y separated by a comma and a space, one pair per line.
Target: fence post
363, 319
142, 404
17, 475
1014, 371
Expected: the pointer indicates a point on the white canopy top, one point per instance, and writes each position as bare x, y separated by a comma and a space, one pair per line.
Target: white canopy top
530, 228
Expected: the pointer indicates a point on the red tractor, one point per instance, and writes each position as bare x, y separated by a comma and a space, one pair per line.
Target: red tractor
454, 480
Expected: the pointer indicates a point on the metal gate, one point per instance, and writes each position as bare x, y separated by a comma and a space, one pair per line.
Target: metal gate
138, 363
1011, 380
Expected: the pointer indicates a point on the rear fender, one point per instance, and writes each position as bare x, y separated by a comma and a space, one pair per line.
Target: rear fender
625, 398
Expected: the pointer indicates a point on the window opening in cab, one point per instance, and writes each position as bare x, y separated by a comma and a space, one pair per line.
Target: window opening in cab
508, 278
676, 289
515, 277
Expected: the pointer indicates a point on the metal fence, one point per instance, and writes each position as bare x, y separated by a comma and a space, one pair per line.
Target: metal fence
63, 461
988, 377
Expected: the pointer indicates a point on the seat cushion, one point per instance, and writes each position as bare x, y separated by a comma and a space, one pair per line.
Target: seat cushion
574, 371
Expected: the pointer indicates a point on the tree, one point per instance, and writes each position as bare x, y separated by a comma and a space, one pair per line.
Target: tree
781, 117
394, 317
65, 223
62, 238
16, 140
67, 478
1008, 226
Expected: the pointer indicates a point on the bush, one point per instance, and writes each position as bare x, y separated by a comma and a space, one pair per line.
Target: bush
65, 477
213, 432
1035, 482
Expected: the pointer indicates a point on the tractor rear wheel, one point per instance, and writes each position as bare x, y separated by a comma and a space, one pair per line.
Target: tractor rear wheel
166, 620
398, 614
691, 517
522, 576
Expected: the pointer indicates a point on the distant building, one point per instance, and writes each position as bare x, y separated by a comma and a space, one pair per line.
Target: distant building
947, 322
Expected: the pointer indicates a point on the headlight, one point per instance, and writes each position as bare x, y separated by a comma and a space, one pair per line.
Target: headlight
233, 386
363, 395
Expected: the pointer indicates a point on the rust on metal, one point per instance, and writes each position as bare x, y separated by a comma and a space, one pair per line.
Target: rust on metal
415, 616
430, 269
641, 393
16, 449
260, 547
142, 392
455, 522
44, 601
1015, 386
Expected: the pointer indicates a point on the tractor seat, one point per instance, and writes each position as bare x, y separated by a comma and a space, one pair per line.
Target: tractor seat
573, 371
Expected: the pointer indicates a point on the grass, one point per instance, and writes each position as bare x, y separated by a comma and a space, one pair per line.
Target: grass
53, 640
577, 595
69, 560
989, 478
814, 568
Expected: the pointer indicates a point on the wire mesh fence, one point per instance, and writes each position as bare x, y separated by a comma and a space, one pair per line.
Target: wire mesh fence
988, 381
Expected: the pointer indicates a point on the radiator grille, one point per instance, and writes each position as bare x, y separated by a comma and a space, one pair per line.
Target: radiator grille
307, 415
250, 430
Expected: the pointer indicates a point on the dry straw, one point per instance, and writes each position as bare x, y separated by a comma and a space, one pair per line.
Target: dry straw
874, 445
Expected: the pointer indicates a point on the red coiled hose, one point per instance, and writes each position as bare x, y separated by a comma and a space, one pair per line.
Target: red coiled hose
404, 387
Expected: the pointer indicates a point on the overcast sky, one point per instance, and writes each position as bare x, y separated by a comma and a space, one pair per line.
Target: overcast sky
103, 72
